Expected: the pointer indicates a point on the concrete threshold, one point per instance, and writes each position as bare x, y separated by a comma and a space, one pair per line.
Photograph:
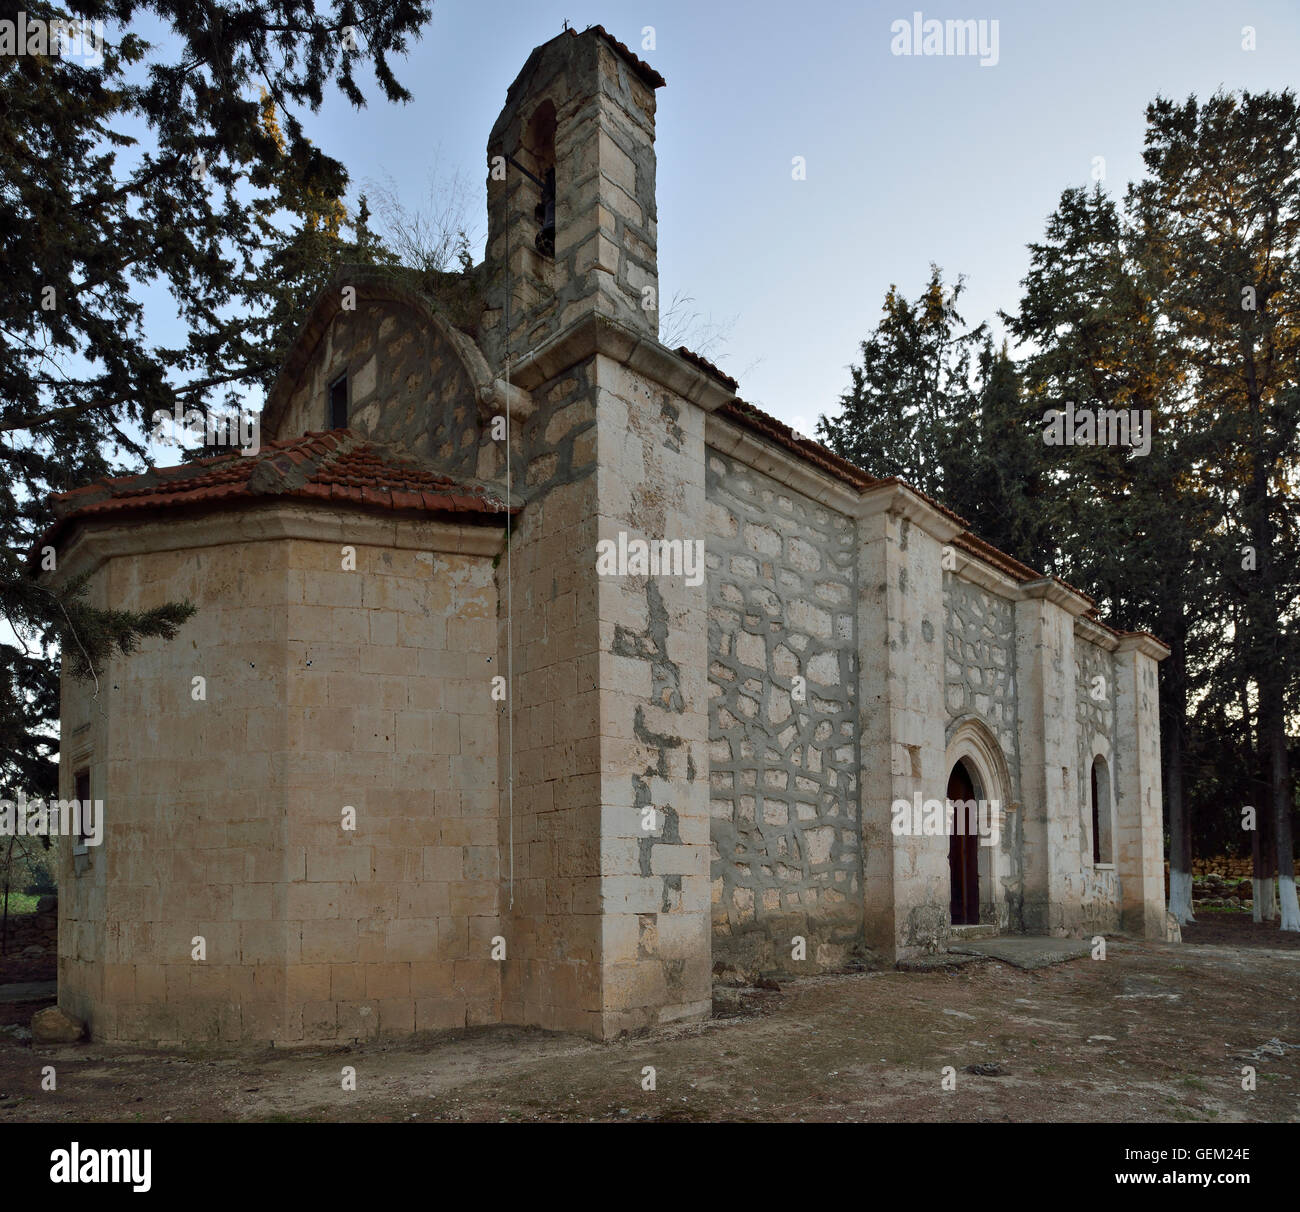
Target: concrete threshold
1025, 951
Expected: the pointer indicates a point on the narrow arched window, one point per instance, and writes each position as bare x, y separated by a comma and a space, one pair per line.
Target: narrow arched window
539, 150
1101, 813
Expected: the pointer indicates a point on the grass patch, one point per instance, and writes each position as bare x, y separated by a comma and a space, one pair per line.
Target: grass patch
20, 903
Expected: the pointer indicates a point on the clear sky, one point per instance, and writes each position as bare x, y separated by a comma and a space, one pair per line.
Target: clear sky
909, 159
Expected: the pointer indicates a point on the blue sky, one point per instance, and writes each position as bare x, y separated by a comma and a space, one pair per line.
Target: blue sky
909, 159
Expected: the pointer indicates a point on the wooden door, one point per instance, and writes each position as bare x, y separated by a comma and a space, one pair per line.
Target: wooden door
963, 855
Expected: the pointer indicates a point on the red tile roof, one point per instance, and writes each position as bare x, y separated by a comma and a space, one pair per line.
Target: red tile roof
754, 419
757, 421
708, 367
338, 466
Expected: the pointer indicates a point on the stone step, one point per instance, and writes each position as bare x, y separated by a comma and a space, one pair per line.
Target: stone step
980, 931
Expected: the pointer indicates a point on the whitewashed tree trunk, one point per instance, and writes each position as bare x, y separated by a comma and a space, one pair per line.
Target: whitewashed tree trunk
1265, 909
1180, 832
1287, 902
1180, 896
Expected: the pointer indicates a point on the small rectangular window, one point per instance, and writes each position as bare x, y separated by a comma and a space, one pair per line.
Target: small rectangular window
338, 403
82, 795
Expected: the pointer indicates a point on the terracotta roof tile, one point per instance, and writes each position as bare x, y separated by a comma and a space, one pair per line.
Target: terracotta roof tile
338, 465
749, 417
754, 419
708, 367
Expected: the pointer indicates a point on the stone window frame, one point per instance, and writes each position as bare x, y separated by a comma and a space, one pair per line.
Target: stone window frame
79, 761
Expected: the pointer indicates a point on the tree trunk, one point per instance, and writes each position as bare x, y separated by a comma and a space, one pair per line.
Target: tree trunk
4, 925
1173, 703
1270, 679
1267, 647
1263, 856
1273, 729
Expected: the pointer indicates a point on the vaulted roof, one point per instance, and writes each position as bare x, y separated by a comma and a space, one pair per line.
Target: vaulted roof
353, 284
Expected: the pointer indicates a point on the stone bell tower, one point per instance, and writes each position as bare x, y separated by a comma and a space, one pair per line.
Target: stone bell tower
604, 738
571, 195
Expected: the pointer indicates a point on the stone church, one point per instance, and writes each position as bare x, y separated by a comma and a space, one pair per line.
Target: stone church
418, 763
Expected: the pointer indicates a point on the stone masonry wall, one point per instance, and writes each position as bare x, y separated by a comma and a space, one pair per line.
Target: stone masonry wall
654, 712
83, 879
979, 665
406, 386
34, 934
1099, 891
783, 775
325, 688
389, 926
1096, 715
980, 681
193, 808
551, 832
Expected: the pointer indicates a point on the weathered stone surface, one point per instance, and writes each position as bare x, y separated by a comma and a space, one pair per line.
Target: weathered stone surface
1027, 953
790, 745
684, 767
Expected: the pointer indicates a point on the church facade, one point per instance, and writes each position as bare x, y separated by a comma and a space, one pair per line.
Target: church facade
534, 672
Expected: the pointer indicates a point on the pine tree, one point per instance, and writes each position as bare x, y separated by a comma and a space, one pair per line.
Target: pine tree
1125, 531
910, 394
996, 467
1221, 206
155, 165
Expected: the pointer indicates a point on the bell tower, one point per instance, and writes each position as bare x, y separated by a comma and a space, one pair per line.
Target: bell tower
571, 195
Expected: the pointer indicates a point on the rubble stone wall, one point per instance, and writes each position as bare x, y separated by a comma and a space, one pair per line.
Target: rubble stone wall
783, 773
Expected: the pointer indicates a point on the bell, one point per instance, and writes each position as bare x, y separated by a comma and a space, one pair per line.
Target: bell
544, 213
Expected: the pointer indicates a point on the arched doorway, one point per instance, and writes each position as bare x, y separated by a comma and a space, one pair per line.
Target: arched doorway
963, 852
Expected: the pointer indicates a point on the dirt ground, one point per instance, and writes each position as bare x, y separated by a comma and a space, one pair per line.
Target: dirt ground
1154, 1032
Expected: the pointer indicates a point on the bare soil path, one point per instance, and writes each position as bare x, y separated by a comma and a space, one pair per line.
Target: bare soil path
1153, 1032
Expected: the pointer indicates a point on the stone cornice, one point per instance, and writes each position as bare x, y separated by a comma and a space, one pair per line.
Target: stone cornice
971, 568
1143, 642
94, 543
794, 473
894, 497
1058, 594
1095, 633
597, 334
